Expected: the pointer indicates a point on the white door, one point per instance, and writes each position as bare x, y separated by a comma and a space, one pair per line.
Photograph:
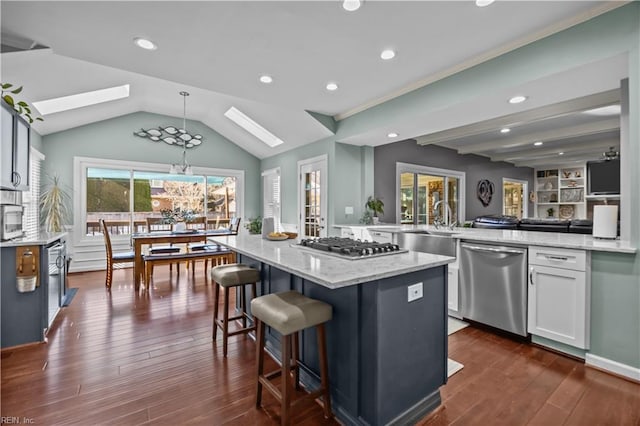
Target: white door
312, 190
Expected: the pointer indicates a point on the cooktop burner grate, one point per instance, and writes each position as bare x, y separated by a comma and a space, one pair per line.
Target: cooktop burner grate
351, 249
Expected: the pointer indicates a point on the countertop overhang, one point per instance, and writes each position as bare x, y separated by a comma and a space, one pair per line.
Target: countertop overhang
506, 236
42, 239
326, 270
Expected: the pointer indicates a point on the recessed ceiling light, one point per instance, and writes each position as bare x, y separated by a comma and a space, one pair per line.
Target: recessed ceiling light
80, 100
537, 143
266, 79
351, 5
483, 3
505, 130
561, 153
607, 110
517, 99
145, 43
332, 86
392, 135
252, 127
387, 54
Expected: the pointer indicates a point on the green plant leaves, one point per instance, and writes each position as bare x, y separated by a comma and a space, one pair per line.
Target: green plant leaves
16, 91
6, 85
8, 99
21, 107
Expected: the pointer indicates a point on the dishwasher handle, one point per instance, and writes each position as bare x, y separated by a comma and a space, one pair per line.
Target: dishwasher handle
494, 249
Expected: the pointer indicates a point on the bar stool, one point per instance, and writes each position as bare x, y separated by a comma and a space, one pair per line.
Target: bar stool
227, 276
288, 313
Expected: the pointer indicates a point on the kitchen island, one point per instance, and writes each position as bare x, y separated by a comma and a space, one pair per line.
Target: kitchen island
387, 356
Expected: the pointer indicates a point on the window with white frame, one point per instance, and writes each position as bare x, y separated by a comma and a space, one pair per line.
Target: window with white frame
31, 198
271, 195
125, 193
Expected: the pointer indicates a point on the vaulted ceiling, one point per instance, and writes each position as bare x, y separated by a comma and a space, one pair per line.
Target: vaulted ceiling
218, 50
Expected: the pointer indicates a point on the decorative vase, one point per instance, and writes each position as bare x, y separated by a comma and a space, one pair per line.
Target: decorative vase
180, 226
376, 220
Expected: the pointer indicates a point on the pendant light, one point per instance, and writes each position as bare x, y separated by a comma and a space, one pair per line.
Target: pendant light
184, 168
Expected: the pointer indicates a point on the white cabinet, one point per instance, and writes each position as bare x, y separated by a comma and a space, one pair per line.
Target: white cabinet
453, 286
15, 145
380, 236
559, 295
349, 232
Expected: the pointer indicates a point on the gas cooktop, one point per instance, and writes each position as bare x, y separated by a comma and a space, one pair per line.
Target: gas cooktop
349, 248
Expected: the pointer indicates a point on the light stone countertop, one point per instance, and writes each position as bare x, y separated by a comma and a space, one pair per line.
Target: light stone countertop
42, 239
327, 270
506, 236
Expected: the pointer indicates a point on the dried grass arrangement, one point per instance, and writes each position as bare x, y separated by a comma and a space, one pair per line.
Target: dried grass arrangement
55, 205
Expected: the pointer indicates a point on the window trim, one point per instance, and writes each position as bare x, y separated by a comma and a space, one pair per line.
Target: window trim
435, 171
80, 165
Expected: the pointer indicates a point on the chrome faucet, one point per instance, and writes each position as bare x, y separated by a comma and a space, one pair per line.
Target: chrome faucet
437, 221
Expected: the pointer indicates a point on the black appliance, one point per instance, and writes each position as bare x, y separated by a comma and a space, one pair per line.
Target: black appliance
496, 222
544, 225
603, 177
350, 248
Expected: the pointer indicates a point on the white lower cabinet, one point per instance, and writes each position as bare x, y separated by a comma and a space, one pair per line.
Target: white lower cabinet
559, 295
350, 233
380, 236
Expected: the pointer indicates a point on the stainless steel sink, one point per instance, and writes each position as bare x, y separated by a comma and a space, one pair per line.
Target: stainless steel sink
435, 242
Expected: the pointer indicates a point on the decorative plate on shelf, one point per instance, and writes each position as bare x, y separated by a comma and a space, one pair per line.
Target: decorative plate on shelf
566, 212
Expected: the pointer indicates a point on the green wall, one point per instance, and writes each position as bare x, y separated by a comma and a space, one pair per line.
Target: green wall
113, 139
36, 140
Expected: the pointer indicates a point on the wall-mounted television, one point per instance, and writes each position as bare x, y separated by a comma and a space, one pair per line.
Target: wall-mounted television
603, 177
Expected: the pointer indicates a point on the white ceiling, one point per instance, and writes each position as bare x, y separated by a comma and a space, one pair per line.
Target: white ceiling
218, 50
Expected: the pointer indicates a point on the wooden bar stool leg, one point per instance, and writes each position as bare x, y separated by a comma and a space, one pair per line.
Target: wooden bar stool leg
225, 323
295, 350
243, 302
324, 370
259, 360
286, 381
216, 302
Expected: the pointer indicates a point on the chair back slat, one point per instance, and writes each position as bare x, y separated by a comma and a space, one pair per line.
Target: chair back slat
155, 224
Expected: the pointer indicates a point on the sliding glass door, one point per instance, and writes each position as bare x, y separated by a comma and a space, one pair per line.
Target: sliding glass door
423, 193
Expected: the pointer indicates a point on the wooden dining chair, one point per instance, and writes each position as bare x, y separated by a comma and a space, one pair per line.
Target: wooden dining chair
113, 258
198, 223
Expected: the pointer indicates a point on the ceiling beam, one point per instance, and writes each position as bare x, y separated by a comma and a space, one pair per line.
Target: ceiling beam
534, 152
538, 114
560, 159
601, 126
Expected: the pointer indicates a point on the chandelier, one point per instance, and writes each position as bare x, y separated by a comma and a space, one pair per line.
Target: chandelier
176, 137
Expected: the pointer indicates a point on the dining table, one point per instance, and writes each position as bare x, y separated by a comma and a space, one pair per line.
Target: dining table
140, 239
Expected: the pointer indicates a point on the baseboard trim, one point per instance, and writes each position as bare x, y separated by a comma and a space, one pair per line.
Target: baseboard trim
617, 368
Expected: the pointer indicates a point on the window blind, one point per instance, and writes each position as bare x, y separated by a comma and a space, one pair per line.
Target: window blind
271, 195
31, 198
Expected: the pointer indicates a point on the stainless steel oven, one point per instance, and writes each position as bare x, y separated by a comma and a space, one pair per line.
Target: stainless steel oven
10, 222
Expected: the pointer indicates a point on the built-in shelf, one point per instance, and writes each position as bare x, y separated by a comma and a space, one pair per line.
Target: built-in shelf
603, 197
560, 192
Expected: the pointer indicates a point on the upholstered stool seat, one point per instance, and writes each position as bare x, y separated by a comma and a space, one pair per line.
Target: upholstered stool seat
226, 276
288, 313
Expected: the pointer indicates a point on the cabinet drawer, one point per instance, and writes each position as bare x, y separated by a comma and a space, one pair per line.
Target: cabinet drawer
558, 258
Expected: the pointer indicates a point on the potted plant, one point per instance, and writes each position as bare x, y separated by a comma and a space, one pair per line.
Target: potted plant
23, 108
376, 207
55, 204
550, 212
254, 225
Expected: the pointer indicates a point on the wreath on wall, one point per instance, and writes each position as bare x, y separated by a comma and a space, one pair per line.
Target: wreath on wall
485, 191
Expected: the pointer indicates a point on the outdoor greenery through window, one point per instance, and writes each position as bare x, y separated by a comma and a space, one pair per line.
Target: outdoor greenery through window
126, 198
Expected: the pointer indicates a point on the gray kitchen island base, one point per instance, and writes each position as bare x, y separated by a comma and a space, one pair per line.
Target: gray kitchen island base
387, 356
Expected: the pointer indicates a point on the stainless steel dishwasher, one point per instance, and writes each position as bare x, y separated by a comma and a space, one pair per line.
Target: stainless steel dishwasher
493, 282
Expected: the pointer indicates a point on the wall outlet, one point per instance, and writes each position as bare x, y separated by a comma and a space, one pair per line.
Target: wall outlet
414, 292
348, 210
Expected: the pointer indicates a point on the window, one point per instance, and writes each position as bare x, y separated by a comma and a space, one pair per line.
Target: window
271, 195
423, 192
126, 193
31, 198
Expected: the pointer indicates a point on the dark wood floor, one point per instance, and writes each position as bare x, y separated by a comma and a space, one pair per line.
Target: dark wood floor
120, 358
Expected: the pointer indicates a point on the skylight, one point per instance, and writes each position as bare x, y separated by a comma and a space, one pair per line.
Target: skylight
252, 127
65, 103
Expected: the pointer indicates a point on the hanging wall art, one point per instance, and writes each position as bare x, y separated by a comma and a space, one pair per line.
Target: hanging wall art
485, 191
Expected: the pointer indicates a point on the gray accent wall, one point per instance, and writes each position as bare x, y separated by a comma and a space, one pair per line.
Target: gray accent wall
474, 166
